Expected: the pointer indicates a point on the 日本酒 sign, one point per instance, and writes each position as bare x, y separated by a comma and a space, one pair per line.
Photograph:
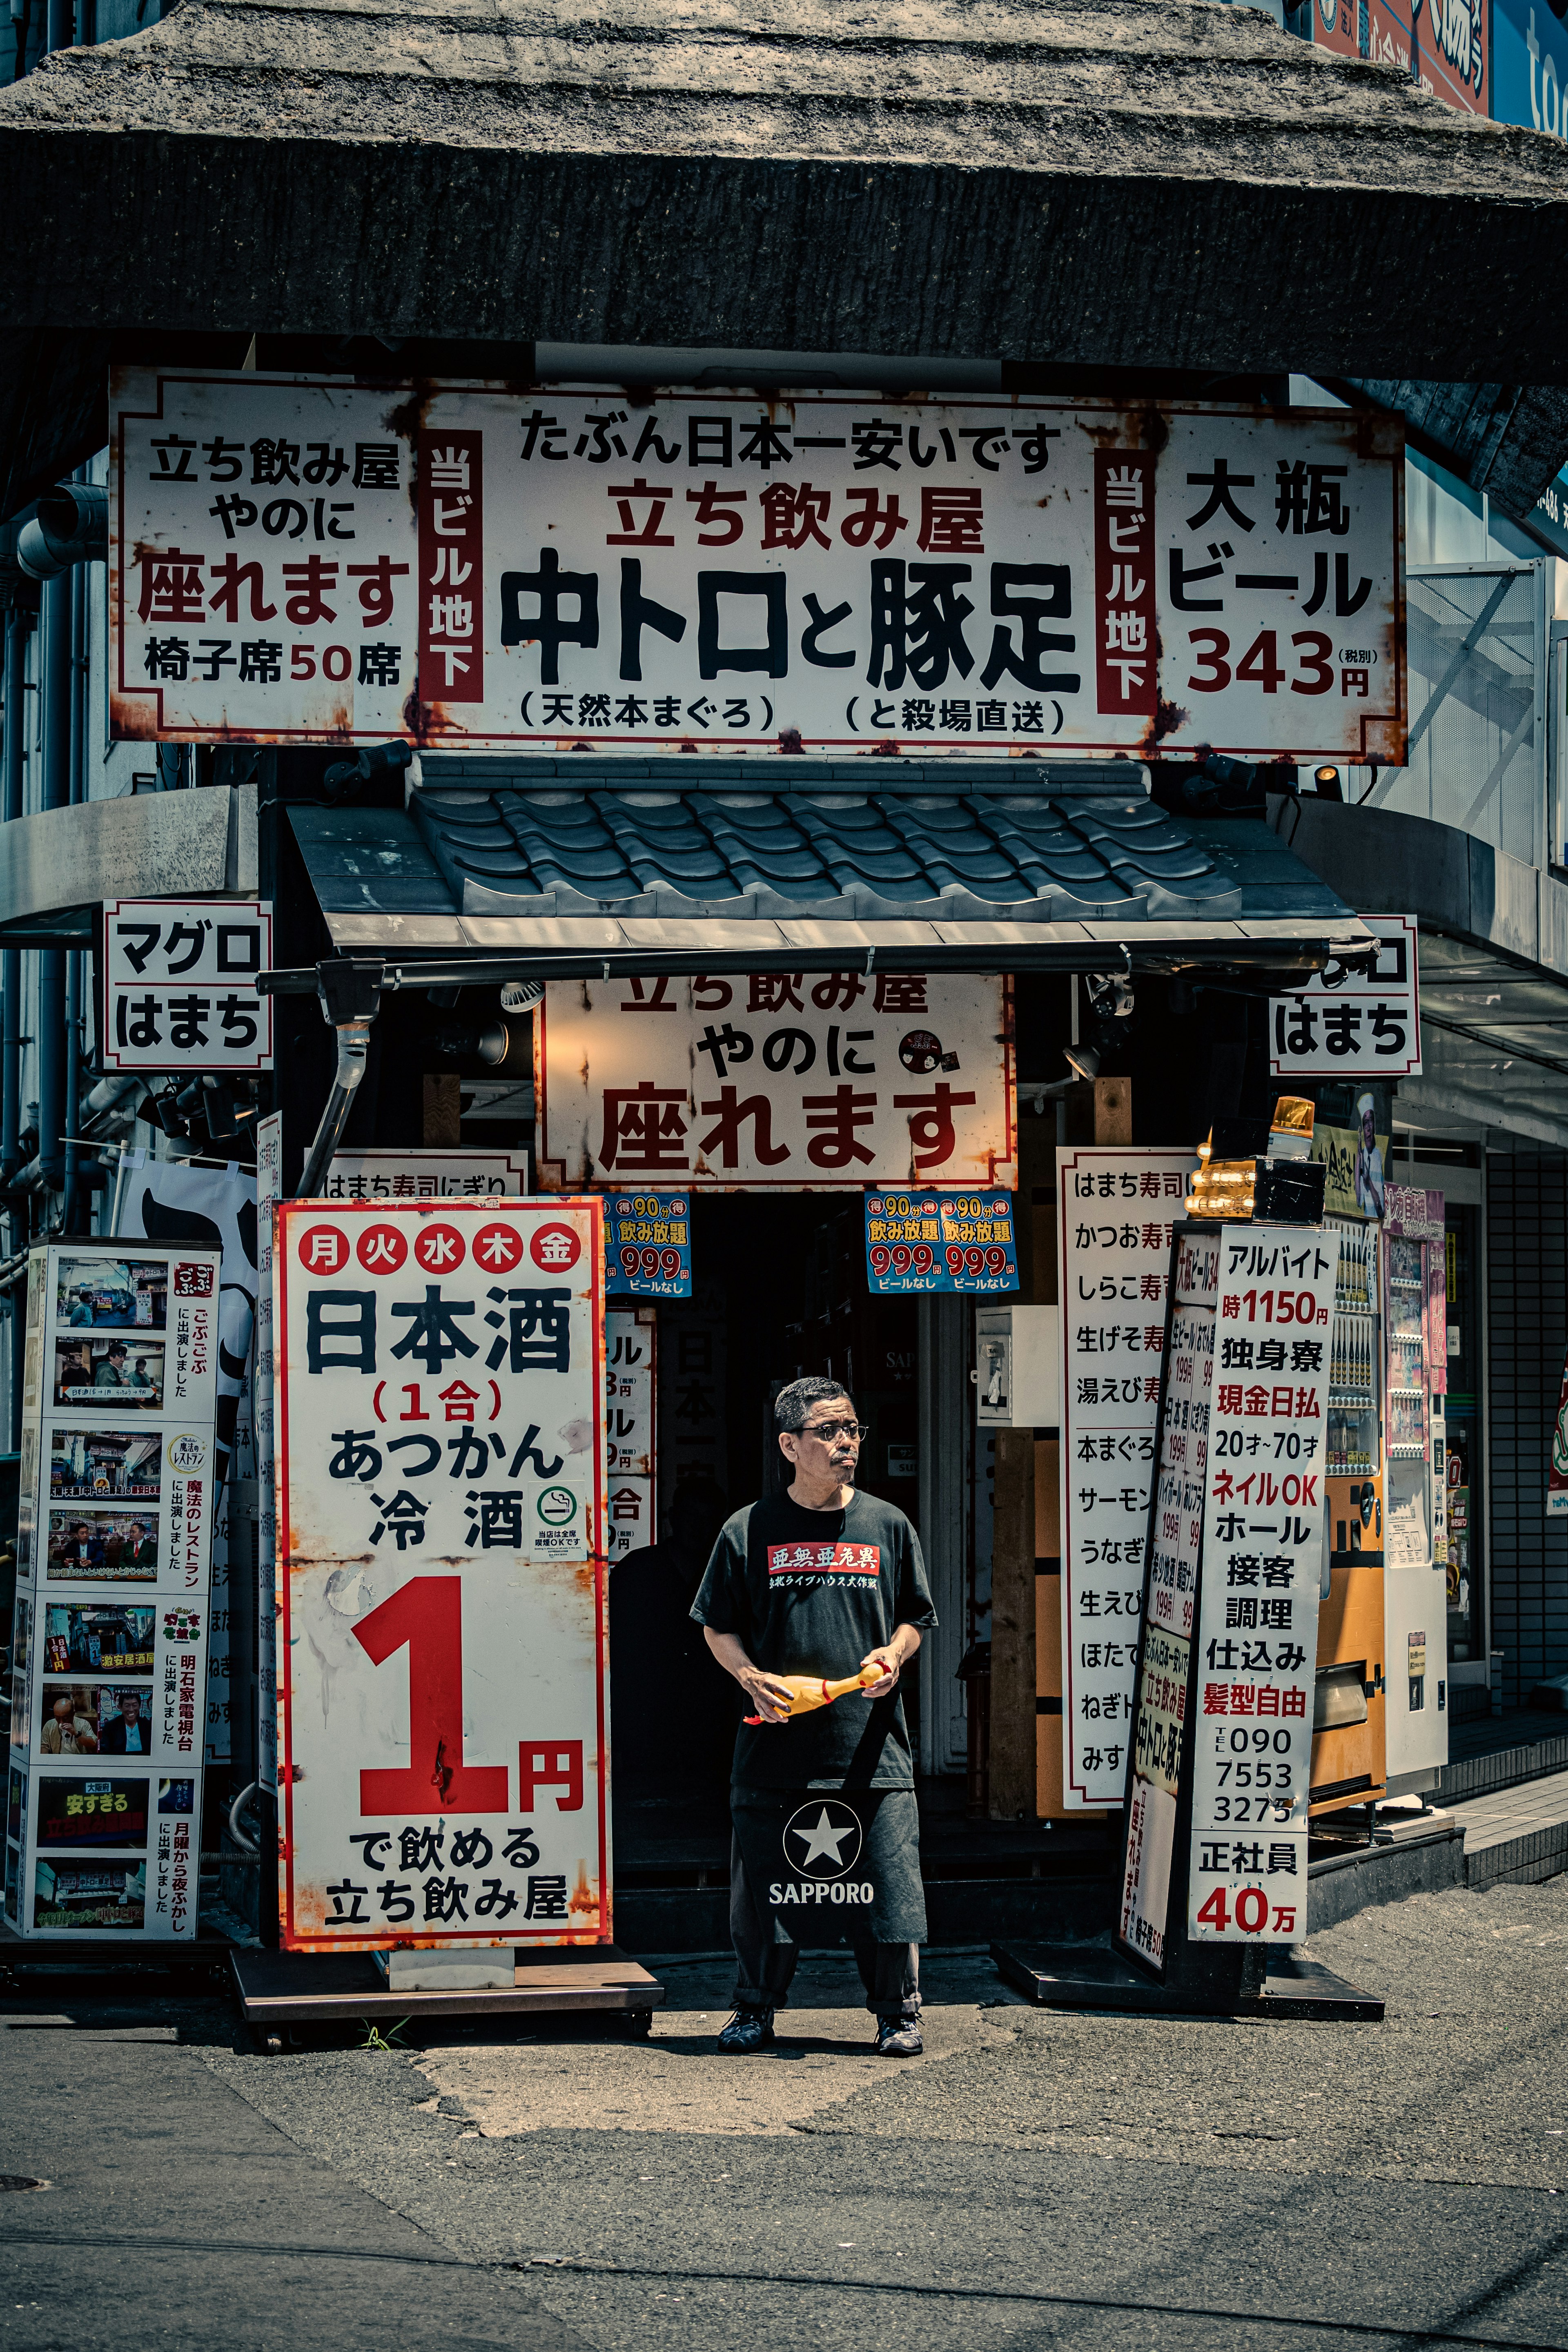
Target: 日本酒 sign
440, 1446
317, 559
793, 1081
179, 984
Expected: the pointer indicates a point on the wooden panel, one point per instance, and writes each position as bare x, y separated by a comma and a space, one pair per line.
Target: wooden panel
443, 1109
1013, 1712
1113, 1111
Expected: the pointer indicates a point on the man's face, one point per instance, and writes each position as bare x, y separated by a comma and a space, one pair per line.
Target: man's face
129, 1706
830, 1439
63, 1710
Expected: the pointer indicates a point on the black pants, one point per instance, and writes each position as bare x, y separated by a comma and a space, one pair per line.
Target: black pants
766, 1956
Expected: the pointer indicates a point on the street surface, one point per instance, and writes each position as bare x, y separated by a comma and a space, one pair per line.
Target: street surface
1042, 2178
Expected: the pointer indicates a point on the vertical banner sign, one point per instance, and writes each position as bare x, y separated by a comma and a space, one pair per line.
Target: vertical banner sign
631, 1384
1175, 1544
1115, 1209
1262, 1566
268, 1191
451, 569
113, 1562
441, 1385
1126, 628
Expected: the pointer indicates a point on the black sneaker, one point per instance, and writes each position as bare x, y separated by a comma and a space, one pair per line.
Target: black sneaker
748, 2030
899, 2037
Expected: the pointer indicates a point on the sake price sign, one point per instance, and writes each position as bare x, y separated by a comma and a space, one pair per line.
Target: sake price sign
441, 1470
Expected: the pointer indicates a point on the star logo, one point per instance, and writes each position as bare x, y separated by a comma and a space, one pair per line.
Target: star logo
822, 1840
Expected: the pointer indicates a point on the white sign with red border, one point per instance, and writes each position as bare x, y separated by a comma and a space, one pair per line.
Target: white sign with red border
781, 1080
440, 1436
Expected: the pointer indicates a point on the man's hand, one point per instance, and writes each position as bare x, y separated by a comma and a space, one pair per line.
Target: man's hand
889, 1661
770, 1698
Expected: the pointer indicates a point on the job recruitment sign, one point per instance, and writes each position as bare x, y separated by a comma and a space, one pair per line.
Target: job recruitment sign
299, 559
440, 1451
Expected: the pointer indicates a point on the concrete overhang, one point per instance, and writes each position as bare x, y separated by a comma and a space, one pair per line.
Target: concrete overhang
1493, 956
60, 866
1089, 184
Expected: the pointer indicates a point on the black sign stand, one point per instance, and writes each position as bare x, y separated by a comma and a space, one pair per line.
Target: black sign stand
1196, 1979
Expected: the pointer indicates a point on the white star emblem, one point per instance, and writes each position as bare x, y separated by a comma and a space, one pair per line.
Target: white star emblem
824, 1841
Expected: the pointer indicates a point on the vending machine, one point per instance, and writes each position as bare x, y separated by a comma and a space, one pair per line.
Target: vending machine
1415, 1552
1348, 1714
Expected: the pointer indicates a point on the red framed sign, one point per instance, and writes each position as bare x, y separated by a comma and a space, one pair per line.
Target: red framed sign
441, 1574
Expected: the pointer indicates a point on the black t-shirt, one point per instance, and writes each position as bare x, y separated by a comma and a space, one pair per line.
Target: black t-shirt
810, 1592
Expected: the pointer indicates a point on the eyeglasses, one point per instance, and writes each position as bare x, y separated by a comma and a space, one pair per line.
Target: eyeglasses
828, 1430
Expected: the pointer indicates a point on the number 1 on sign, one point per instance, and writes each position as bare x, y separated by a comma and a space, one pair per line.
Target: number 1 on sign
426, 1615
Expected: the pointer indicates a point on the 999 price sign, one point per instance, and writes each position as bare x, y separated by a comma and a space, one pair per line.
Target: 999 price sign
648, 1244
929, 1242
440, 1441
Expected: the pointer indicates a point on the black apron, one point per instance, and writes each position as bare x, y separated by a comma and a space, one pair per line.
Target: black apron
833, 1865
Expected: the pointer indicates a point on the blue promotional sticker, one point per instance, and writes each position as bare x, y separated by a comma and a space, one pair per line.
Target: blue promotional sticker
930, 1242
648, 1244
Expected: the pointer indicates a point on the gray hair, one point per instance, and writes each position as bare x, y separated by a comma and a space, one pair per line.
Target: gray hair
793, 1403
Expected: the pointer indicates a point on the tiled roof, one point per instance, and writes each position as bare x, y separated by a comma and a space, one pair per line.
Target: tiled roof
986, 844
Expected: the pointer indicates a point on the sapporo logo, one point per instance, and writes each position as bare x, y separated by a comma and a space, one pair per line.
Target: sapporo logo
822, 1840
557, 1504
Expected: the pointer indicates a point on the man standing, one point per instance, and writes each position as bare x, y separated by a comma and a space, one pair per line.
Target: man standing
821, 1580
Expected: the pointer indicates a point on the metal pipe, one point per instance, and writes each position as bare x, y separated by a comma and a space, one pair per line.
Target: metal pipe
52, 1067
61, 25
69, 1206
55, 693
354, 1045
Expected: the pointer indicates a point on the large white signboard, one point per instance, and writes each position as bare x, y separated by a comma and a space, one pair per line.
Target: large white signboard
1262, 1565
798, 1080
631, 1383
305, 559
442, 1573
1347, 1025
1115, 1209
112, 1628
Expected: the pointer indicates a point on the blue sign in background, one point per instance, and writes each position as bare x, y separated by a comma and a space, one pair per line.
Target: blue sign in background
929, 1242
648, 1244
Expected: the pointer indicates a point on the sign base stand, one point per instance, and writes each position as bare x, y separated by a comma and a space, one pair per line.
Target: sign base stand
330, 1988
1090, 1976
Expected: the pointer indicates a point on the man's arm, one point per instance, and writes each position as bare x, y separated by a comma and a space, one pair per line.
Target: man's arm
769, 1696
892, 1656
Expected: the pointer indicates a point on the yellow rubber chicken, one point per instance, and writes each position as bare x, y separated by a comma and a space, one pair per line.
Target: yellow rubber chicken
809, 1691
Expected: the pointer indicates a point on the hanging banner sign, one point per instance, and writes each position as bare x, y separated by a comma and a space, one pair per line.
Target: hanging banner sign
631, 1388
788, 1081
1114, 1210
1557, 1468
922, 1242
113, 1563
1263, 1541
440, 1443
315, 558
179, 985
648, 1244
1344, 1025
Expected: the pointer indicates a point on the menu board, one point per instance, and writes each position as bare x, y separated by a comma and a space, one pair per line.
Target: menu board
112, 1620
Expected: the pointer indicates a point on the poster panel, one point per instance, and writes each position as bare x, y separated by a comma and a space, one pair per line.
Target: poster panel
917, 1244
648, 1244
268, 1191
441, 1466
1161, 1718
1262, 1567
1115, 1211
1443, 49
312, 558
794, 1081
113, 1621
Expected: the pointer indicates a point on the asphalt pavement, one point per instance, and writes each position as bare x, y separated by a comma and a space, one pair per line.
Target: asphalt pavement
1048, 2178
